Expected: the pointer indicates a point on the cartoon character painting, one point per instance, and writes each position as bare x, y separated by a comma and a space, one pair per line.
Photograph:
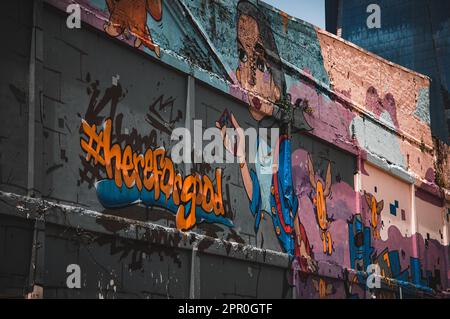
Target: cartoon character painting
375, 214
130, 16
269, 187
321, 193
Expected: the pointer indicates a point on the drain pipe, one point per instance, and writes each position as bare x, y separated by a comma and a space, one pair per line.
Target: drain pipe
36, 270
194, 289
32, 102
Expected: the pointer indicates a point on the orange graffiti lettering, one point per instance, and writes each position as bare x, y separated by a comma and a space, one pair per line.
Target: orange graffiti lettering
153, 171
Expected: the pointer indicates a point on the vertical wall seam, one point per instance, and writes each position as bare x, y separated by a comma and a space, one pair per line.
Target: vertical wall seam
414, 228
32, 104
194, 286
190, 112
37, 260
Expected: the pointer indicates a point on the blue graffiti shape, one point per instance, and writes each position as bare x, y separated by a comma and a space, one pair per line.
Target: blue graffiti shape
283, 202
360, 244
113, 197
362, 254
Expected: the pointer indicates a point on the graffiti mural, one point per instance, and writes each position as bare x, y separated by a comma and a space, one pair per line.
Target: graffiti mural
323, 288
152, 180
137, 173
319, 197
363, 254
360, 244
260, 69
270, 191
130, 16
314, 212
349, 182
375, 213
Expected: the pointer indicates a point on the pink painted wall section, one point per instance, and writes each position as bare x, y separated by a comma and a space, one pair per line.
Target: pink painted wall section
432, 225
387, 206
430, 219
376, 84
390, 191
381, 191
396, 99
331, 119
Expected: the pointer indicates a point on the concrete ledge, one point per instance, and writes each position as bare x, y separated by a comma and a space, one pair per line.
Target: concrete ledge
79, 218
87, 220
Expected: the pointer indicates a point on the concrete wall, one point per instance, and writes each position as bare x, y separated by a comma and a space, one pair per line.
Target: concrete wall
90, 176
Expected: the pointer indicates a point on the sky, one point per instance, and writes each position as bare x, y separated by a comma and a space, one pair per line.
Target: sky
312, 11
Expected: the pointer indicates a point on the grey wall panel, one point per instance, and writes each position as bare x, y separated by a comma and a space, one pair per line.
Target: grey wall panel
112, 267
15, 254
15, 30
225, 278
78, 62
